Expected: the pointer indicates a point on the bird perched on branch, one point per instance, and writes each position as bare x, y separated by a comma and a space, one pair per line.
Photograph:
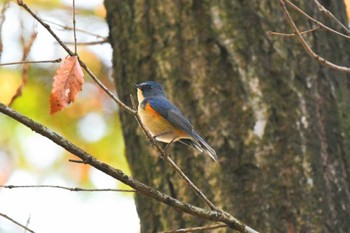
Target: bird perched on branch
165, 121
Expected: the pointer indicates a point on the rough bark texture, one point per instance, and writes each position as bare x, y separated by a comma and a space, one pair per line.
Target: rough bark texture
278, 120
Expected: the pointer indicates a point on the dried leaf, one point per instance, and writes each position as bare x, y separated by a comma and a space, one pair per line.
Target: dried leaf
67, 84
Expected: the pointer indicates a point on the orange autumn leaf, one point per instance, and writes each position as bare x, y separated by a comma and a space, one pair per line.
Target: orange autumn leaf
68, 82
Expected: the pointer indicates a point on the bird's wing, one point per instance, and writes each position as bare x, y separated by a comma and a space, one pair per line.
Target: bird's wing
175, 117
171, 113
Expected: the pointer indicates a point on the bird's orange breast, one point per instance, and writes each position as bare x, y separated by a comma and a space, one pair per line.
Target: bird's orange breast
151, 111
158, 125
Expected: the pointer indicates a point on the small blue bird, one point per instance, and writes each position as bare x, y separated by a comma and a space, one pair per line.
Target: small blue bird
164, 121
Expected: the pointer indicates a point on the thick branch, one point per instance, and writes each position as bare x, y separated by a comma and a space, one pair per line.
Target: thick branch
119, 175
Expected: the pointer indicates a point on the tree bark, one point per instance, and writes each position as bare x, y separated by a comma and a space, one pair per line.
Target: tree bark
278, 120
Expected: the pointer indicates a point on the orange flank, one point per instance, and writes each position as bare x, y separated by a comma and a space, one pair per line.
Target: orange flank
158, 125
151, 111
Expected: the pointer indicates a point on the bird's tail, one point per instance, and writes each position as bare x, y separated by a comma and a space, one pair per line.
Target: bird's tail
201, 145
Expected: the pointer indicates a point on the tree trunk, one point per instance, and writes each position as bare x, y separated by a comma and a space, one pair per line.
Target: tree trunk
278, 120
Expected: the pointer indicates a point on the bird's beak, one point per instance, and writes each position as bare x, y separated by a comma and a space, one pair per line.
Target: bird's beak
136, 85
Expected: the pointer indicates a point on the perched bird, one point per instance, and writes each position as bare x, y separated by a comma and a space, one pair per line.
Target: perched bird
164, 121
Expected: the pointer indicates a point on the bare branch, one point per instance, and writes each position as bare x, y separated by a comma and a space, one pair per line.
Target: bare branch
314, 20
271, 33
74, 31
190, 183
25, 68
103, 87
220, 216
315, 56
330, 15
65, 27
194, 229
77, 189
77, 161
27, 46
105, 40
45, 25
27, 223
58, 60
5, 6
133, 102
17, 223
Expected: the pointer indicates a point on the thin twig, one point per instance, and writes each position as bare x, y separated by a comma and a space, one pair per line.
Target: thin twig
314, 20
329, 14
189, 182
25, 68
133, 102
77, 161
271, 33
315, 56
77, 189
5, 6
65, 27
74, 31
45, 25
27, 223
58, 60
103, 87
105, 40
219, 216
17, 223
194, 229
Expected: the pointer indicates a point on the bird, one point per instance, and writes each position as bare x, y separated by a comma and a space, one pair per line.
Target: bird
164, 121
